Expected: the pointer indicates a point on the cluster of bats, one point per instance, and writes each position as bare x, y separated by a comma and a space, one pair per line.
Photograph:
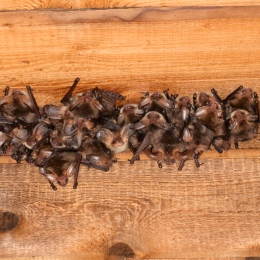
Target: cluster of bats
89, 128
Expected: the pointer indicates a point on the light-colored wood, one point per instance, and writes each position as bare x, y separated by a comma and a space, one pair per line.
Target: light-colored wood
79, 4
210, 212
186, 51
159, 213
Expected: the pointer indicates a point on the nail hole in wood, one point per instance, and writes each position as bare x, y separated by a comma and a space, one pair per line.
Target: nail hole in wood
8, 221
122, 250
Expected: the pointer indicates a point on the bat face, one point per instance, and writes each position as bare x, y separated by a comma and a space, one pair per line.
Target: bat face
155, 102
19, 105
180, 113
96, 154
152, 118
14, 145
211, 116
86, 104
61, 167
129, 113
204, 99
116, 141
198, 136
165, 147
17, 99
39, 132
161, 147
243, 125
242, 98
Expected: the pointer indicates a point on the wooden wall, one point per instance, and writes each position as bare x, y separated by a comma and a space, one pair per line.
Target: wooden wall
136, 211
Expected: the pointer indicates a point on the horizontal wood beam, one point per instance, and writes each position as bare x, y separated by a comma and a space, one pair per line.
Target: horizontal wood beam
186, 50
6, 5
211, 212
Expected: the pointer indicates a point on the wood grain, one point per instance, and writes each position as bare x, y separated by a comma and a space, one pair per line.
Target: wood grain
159, 213
206, 213
121, 51
79, 4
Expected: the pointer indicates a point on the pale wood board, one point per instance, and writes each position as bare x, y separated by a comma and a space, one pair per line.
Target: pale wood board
6, 5
160, 213
131, 51
211, 212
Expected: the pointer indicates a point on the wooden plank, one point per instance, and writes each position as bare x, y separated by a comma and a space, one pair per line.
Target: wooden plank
211, 212
79, 4
208, 213
185, 50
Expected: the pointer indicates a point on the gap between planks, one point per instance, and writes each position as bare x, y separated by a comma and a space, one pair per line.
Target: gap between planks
149, 14
210, 154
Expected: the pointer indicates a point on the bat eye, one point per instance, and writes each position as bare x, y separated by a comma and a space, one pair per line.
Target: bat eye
101, 133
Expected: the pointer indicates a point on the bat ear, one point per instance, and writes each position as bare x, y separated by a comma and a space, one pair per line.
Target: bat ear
103, 134
6, 100
187, 136
139, 126
120, 119
145, 101
251, 118
55, 112
127, 130
185, 114
165, 103
139, 112
233, 125
200, 111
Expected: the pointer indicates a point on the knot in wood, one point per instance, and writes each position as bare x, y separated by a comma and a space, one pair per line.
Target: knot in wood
8, 220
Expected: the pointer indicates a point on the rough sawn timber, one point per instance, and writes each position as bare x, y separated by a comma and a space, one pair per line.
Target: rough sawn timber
101, 4
130, 51
160, 213
211, 212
